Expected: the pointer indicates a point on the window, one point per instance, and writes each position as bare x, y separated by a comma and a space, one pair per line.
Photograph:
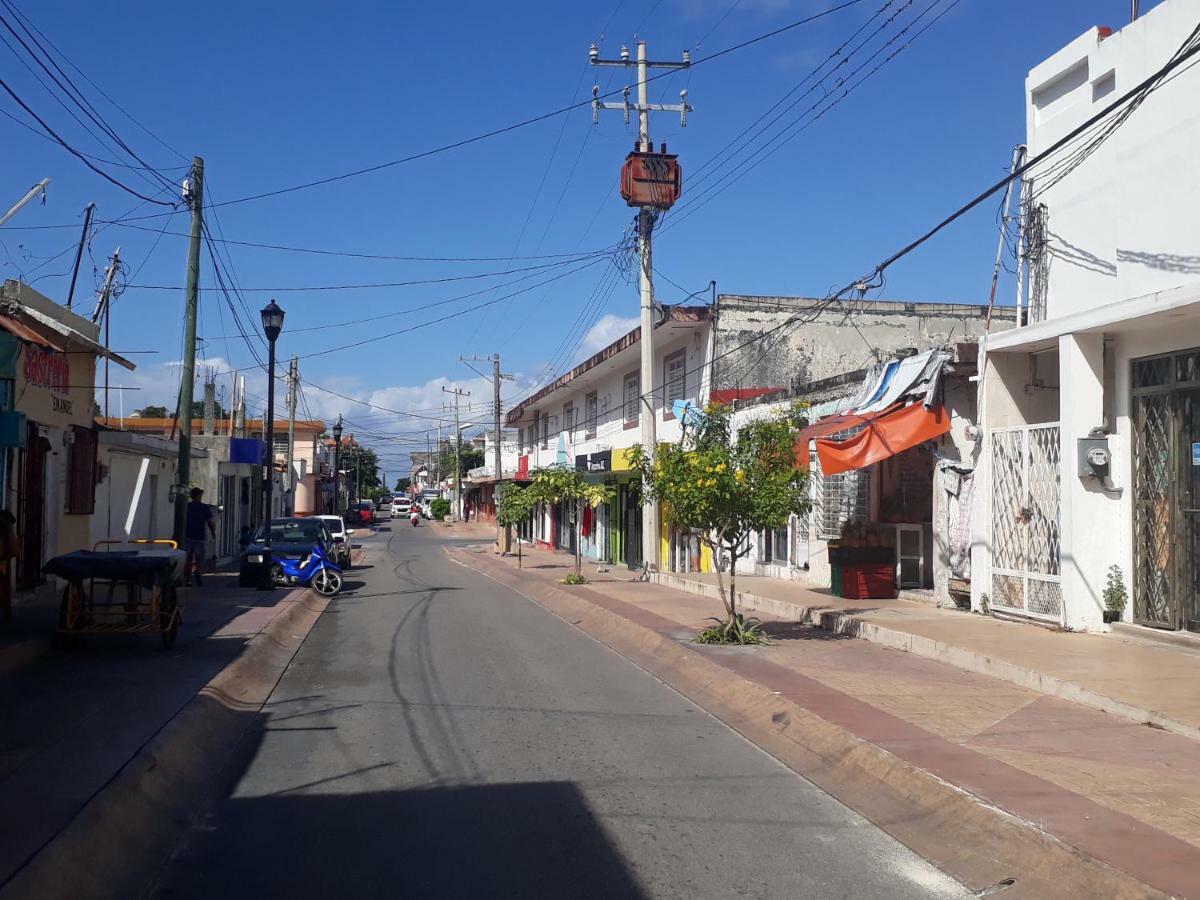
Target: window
81, 472
568, 419
840, 499
545, 430
632, 392
674, 382
591, 411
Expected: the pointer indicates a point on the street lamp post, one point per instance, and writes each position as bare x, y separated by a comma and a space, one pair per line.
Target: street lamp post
337, 461
272, 322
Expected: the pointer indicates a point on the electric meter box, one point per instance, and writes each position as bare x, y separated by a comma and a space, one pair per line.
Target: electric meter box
1095, 459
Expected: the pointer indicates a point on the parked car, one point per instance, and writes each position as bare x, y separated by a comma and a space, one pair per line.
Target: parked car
291, 538
401, 506
341, 539
361, 513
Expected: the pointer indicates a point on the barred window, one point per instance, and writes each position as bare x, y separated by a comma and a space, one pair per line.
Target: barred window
840, 499
591, 409
674, 382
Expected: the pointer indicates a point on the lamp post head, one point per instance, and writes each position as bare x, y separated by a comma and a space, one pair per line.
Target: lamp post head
337, 431
272, 320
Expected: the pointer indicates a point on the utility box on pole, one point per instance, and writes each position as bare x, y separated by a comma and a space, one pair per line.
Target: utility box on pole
652, 182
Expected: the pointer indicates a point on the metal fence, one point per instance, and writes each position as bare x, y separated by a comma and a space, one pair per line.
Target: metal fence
1026, 531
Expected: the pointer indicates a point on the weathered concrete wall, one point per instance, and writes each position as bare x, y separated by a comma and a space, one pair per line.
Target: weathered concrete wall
838, 340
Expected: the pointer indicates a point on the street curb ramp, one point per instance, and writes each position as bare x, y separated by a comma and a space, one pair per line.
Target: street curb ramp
118, 841
976, 843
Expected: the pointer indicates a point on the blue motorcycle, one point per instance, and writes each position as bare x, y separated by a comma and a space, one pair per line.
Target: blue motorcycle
315, 571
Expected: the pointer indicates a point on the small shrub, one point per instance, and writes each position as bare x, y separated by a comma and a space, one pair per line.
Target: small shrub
573, 578
1115, 595
743, 631
439, 508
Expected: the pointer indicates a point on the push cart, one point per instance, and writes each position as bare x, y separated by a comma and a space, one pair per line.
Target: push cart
120, 591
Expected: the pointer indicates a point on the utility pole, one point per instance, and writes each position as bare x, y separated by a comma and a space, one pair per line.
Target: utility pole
648, 212
497, 377
102, 310
87, 224
458, 395
293, 390
193, 192
39, 188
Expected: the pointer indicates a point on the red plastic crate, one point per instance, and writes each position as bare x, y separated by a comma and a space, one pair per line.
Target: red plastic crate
869, 581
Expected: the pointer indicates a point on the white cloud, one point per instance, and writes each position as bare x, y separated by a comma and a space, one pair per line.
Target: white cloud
604, 332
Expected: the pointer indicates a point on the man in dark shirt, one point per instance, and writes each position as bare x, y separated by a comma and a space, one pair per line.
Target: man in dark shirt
200, 525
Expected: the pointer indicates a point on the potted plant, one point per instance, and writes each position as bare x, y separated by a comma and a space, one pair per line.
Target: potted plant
1115, 595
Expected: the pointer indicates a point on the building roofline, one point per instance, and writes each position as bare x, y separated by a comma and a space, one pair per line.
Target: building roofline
678, 314
905, 307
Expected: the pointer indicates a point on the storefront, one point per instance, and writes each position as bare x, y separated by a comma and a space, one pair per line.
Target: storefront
47, 390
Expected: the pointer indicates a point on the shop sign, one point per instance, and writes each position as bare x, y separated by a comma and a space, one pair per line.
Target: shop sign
597, 462
49, 370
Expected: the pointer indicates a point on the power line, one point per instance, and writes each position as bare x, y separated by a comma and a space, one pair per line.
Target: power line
80, 156
496, 132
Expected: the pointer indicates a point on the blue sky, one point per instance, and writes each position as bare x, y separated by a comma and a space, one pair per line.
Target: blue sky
276, 94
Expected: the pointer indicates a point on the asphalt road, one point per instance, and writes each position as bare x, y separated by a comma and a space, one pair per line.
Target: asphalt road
441, 736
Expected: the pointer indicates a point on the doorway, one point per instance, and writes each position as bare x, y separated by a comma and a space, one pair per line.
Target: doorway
1166, 491
31, 506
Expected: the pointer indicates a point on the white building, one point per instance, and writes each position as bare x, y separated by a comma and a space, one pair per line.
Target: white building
1110, 359
588, 418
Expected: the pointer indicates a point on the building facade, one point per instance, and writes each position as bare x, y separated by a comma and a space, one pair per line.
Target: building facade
1091, 446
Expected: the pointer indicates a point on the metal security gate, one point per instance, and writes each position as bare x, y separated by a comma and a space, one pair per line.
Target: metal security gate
1026, 535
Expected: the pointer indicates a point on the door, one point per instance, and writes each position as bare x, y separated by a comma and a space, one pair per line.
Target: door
31, 507
1188, 521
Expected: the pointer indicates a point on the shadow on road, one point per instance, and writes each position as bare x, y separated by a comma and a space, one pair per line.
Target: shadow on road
503, 840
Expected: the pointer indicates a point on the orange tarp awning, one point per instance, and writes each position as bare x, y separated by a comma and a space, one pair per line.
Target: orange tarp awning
886, 433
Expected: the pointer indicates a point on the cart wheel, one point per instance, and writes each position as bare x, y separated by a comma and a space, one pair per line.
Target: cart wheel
327, 582
169, 618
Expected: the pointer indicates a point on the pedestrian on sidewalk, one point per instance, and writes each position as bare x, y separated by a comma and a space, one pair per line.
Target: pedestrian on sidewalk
10, 549
200, 526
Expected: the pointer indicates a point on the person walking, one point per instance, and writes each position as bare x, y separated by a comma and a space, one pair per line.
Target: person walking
10, 549
200, 525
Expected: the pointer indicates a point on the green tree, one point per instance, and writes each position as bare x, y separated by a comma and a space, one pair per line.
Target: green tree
153, 412
472, 458
402, 484
727, 487
563, 485
513, 506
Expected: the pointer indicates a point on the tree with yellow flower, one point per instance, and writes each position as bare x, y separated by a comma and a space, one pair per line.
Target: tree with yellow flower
728, 486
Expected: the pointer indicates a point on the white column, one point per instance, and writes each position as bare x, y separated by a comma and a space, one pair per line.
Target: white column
1089, 513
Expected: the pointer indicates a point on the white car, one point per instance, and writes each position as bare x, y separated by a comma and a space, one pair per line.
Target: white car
401, 507
341, 538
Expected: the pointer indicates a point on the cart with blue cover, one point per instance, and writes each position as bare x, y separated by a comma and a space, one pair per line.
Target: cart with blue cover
120, 591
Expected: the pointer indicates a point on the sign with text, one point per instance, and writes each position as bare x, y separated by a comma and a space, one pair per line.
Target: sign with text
596, 462
47, 369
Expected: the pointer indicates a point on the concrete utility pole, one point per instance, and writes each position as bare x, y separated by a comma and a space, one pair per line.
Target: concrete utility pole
647, 216
102, 310
458, 393
497, 377
193, 193
39, 188
293, 390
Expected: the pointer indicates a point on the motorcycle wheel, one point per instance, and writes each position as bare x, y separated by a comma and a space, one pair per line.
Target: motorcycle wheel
277, 576
327, 582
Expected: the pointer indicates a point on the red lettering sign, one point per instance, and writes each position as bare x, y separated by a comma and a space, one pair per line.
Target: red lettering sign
47, 369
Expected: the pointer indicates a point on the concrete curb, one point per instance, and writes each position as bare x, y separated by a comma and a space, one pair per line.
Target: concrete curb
119, 839
970, 840
839, 622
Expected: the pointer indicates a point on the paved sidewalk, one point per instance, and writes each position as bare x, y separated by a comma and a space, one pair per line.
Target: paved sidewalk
1117, 791
73, 718
1140, 679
